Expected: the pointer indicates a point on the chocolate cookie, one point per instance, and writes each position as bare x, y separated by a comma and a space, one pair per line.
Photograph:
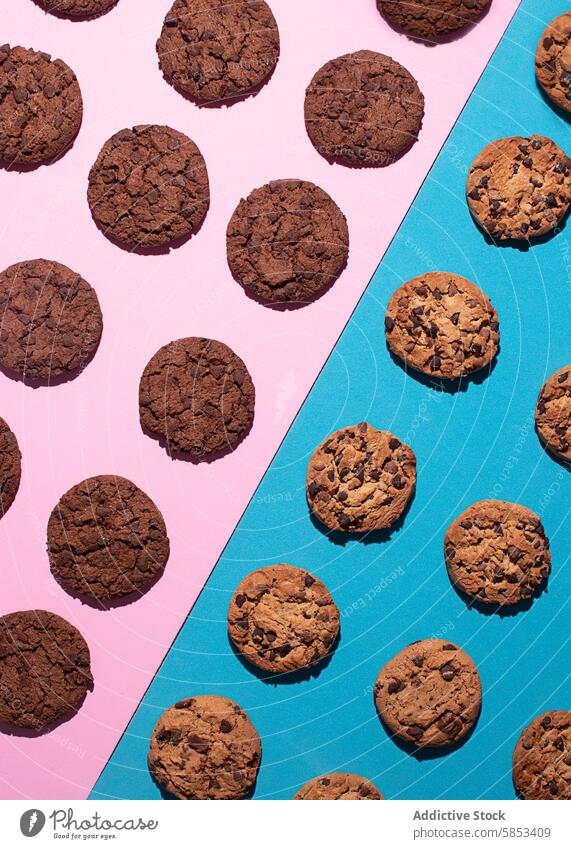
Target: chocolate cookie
360, 479
541, 764
553, 413
497, 552
50, 320
363, 109
442, 325
148, 187
77, 9
216, 50
553, 61
429, 694
10, 467
344, 786
106, 538
198, 397
205, 748
430, 20
287, 242
519, 188
44, 668
40, 107
282, 619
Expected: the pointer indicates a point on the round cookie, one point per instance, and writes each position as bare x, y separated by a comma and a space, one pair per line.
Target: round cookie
217, 50
106, 538
50, 320
360, 479
44, 668
519, 188
541, 763
442, 325
553, 413
205, 748
287, 241
10, 467
497, 552
342, 786
77, 9
148, 187
553, 61
429, 694
363, 109
40, 107
282, 619
431, 20
197, 396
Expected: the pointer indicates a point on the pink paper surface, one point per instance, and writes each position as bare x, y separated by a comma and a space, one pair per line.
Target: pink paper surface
91, 426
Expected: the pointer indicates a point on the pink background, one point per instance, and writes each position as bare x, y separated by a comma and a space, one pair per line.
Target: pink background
90, 426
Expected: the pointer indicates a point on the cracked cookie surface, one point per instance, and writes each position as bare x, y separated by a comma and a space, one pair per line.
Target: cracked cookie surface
106, 538
218, 50
148, 188
553, 413
287, 241
429, 694
541, 764
363, 109
519, 188
360, 479
10, 467
432, 19
553, 61
44, 668
77, 9
343, 786
205, 748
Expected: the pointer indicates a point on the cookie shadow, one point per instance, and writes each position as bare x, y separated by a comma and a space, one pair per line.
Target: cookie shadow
448, 38
504, 611
195, 459
62, 15
14, 731
301, 676
428, 753
105, 604
439, 384
366, 537
565, 464
58, 380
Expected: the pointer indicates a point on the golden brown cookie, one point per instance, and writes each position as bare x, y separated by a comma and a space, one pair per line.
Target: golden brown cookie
553, 413
342, 786
541, 764
553, 61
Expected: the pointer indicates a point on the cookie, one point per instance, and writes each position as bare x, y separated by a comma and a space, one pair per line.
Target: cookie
282, 619
541, 763
553, 413
497, 552
442, 325
10, 467
287, 242
148, 188
431, 20
360, 479
217, 50
343, 786
519, 188
429, 694
553, 61
205, 748
44, 668
197, 396
363, 109
50, 320
40, 107
106, 538
77, 9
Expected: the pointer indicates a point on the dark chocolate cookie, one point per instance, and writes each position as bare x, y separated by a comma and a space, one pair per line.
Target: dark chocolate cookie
217, 50
360, 479
342, 786
282, 619
44, 668
432, 19
106, 538
198, 397
442, 325
148, 187
541, 764
287, 241
519, 188
10, 467
77, 9
40, 107
553, 413
363, 109
205, 748
429, 694
553, 61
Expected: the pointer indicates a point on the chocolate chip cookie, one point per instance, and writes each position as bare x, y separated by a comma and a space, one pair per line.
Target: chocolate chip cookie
287, 241
148, 188
10, 467
519, 188
197, 396
106, 538
282, 619
360, 479
363, 109
40, 107
205, 748
77, 9
553, 61
344, 786
541, 763
217, 50
430, 20
553, 413
442, 325
44, 668
497, 552
429, 694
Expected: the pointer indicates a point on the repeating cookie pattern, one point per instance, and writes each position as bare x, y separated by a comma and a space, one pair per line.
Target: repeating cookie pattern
432, 19
541, 765
553, 413
553, 61
77, 9
341, 786
10, 467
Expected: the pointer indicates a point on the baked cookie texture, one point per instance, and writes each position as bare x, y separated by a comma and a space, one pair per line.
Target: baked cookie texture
553, 413
10, 467
77, 9
432, 19
205, 748
541, 764
553, 61
342, 786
